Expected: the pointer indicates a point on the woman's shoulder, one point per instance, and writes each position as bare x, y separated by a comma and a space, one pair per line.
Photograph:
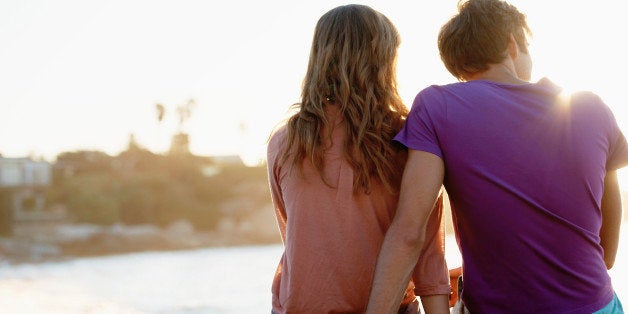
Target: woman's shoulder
277, 141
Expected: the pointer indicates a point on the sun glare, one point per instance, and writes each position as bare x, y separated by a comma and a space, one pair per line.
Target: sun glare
564, 98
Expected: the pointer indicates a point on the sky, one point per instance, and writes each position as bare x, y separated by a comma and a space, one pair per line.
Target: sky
87, 74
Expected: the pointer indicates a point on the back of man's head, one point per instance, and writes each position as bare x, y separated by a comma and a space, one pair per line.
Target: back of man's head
478, 36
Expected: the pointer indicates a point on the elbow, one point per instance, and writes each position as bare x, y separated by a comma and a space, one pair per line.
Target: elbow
411, 237
609, 263
413, 241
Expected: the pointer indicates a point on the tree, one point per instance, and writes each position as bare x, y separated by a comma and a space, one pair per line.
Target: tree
184, 111
6, 213
181, 141
161, 112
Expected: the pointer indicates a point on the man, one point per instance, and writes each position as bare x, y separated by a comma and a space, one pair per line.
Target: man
530, 173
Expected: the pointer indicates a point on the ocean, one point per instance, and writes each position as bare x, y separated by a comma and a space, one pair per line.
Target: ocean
214, 280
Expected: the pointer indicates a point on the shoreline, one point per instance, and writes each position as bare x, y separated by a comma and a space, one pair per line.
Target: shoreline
64, 241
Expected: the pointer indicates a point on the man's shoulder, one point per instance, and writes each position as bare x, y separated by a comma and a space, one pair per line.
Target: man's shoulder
429, 94
585, 98
439, 88
439, 95
450, 89
589, 106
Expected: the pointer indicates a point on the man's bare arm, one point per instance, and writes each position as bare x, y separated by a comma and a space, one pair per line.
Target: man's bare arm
611, 218
421, 183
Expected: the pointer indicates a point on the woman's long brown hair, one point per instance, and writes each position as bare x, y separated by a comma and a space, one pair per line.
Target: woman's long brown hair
352, 65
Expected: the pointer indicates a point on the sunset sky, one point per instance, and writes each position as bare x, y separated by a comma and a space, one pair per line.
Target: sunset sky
87, 74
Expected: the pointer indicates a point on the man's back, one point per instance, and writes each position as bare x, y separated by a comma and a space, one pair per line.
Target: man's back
525, 173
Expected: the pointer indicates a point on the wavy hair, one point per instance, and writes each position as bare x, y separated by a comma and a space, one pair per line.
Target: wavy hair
352, 66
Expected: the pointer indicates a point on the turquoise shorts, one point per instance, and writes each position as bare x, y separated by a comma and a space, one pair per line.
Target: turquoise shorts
612, 308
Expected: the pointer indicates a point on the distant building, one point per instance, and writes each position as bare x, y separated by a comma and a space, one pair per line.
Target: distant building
24, 172
23, 182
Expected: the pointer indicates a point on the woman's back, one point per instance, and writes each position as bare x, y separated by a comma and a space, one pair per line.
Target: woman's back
331, 235
334, 170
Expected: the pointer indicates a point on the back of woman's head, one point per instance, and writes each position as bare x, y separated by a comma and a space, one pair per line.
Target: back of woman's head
478, 36
351, 66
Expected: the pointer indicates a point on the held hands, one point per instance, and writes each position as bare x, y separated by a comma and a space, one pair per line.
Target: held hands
453, 281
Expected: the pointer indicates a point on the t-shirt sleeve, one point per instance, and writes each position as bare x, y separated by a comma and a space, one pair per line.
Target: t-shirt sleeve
274, 149
419, 131
618, 154
430, 274
618, 148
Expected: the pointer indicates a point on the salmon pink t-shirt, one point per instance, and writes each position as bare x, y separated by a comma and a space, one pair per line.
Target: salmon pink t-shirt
332, 236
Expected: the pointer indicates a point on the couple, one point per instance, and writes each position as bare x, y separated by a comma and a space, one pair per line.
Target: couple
356, 179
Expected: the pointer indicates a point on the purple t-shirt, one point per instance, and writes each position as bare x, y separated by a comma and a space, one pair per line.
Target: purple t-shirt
524, 170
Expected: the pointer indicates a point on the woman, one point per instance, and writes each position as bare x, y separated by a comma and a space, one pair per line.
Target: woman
334, 172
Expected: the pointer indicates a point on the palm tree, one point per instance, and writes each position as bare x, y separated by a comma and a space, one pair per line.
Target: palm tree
180, 141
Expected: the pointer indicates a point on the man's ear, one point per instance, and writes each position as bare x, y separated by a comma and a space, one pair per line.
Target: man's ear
513, 47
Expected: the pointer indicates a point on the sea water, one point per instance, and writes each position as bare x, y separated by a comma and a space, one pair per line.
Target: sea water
216, 280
